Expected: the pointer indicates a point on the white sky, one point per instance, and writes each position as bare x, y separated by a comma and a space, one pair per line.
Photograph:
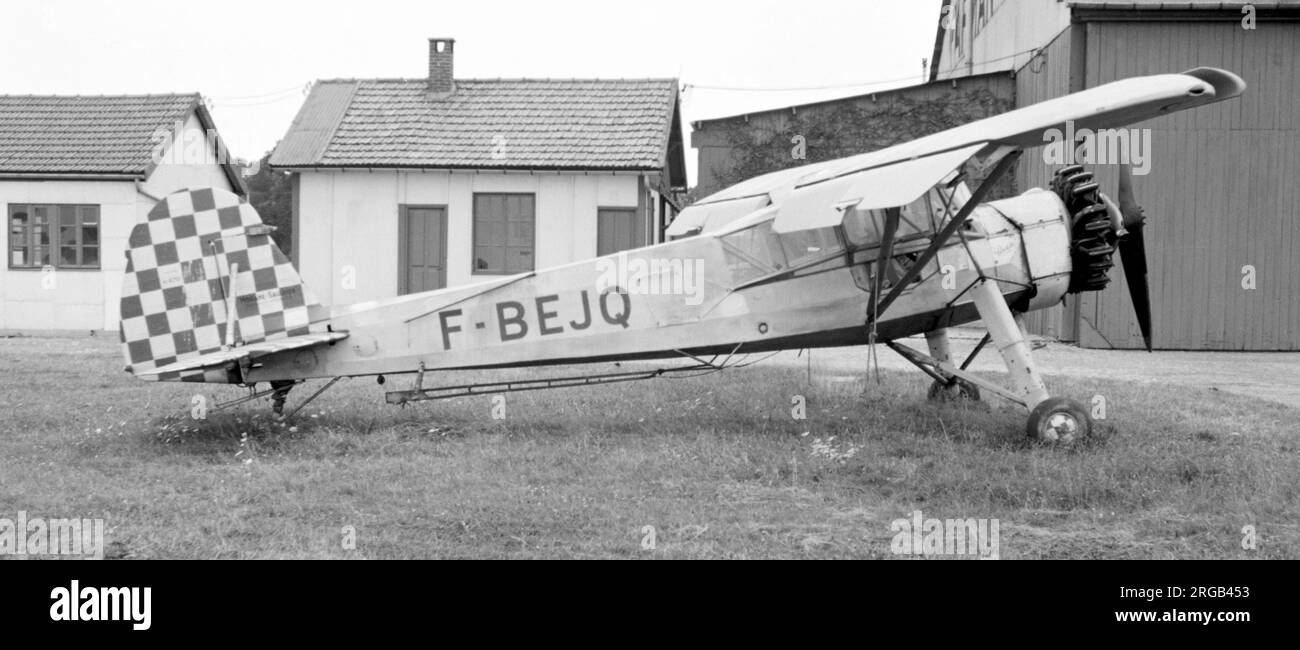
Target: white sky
253, 58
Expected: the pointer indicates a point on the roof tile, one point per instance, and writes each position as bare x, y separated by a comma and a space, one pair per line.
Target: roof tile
502, 123
85, 134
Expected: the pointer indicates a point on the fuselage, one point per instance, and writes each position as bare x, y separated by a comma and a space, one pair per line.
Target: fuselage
741, 288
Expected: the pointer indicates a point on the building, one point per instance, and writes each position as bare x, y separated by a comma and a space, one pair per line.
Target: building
407, 185
735, 148
76, 174
1223, 207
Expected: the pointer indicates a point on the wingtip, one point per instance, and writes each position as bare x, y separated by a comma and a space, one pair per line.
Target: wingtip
1226, 84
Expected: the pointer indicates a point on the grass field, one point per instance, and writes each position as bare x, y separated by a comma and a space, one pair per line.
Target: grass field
716, 464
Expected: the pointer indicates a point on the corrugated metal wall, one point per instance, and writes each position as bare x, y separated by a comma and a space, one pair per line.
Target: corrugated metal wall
1042, 79
1221, 195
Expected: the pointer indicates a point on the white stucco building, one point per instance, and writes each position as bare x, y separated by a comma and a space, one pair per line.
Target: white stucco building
76, 173
406, 185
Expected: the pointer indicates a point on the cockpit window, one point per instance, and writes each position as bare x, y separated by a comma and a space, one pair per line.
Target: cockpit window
753, 252
803, 246
758, 251
865, 228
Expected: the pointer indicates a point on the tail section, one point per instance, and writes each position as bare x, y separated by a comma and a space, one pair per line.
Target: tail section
203, 275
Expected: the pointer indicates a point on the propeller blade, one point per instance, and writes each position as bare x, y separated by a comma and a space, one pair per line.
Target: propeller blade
1133, 253
1128, 205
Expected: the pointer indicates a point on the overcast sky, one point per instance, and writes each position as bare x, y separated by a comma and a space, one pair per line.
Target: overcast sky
254, 59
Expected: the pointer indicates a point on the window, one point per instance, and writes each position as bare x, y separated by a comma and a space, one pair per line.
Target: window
804, 246
618, 229
753, 252
63, 236
757, 251
865, 228
503, 233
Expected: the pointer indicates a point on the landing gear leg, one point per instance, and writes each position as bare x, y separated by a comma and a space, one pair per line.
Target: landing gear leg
1051, 419
952, 388
282, 389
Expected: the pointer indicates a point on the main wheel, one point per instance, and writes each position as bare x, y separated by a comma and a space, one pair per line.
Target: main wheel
957, 389
1059, 420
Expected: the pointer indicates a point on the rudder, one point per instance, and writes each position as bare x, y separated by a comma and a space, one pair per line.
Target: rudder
198, 253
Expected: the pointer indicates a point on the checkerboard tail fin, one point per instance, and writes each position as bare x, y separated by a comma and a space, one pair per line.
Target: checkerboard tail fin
203, 276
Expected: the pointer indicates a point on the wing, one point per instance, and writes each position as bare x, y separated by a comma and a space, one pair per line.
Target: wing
251, 351
712, 216
812, 196
821, 203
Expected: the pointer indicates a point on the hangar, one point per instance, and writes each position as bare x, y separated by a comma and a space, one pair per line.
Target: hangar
1223, 208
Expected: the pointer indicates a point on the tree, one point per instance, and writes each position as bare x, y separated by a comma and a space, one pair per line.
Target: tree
271, 193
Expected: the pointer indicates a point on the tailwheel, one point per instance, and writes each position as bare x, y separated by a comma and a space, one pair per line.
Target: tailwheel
953, 390
1059, 420
282, 389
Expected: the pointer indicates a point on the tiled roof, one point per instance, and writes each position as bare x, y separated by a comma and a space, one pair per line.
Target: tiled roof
499, 124
44, 134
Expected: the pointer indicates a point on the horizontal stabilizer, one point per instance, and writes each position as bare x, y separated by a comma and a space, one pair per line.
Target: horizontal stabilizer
251, 351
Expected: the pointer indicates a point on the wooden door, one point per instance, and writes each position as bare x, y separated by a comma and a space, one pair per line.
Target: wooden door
422, 263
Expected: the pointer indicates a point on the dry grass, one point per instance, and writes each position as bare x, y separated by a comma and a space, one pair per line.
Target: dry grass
716, 464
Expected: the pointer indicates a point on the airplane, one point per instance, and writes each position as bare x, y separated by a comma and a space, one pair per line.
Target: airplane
867, 249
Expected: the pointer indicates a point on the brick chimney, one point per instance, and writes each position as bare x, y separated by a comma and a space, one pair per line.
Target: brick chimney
441, 58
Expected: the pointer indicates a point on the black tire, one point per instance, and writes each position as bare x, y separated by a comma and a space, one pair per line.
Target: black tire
956, 390
1059, 420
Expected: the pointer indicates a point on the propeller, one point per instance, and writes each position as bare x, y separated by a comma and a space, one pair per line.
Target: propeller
1132, 252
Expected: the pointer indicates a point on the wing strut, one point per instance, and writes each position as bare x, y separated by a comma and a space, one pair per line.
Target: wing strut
942, 237
882, 262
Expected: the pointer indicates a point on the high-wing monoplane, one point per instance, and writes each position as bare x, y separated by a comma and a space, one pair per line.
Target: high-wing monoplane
867, 249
